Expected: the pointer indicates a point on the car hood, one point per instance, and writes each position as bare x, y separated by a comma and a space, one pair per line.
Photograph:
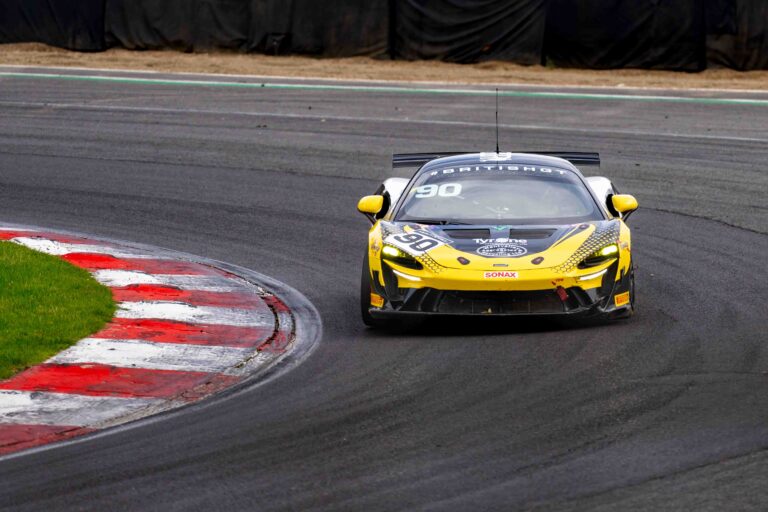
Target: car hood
489, 247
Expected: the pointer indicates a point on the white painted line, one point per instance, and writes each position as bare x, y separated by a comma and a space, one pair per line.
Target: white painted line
61, 248
180, 312
41, 408
117, 278
153, 356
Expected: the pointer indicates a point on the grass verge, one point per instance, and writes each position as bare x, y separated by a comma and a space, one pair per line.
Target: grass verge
46, 305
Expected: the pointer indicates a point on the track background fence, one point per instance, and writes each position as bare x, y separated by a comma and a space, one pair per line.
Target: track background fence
686, 35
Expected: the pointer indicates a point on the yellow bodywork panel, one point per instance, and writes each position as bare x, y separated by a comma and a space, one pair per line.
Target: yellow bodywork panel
447, 268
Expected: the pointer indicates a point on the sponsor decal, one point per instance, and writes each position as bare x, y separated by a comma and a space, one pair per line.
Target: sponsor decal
621, 299
502, 250
375, 247
495, 157
416, 242
500, 274
517, 241
525, 169
377, 301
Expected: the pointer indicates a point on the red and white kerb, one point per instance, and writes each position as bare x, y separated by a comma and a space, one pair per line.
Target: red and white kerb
182, 331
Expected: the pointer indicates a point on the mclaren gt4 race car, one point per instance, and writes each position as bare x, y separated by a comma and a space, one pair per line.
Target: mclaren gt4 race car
497, 234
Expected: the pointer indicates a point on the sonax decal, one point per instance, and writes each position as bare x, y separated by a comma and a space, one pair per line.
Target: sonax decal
500, 274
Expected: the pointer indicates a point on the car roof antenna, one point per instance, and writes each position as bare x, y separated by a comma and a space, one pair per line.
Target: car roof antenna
497, 120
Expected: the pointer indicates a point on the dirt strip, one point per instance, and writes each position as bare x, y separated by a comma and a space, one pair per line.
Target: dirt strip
355, 68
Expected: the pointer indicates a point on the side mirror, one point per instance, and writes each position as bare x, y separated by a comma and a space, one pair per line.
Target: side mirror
370, 205
624, 203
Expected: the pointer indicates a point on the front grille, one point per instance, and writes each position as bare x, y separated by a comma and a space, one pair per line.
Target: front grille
500, 303
429, 300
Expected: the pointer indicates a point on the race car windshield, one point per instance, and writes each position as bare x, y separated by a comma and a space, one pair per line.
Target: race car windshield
499, 194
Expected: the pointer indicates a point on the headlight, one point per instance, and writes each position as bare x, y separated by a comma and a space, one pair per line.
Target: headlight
398, 257
600, 256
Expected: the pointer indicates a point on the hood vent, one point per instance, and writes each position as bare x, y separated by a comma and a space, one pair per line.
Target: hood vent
526, 234
531, 234
467, 234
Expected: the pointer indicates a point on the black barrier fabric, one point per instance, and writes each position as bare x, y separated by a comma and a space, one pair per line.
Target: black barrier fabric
656, 34
338, 28
742, 44
181, 24
721, 17
661, 34
72, 24
469, 30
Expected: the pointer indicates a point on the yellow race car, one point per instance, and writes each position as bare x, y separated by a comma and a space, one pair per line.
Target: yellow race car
497, 234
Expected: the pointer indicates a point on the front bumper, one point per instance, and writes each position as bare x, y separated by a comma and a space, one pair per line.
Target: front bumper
445, 302
555, 300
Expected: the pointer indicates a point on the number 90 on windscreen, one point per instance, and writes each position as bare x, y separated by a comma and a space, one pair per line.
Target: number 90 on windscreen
444, 190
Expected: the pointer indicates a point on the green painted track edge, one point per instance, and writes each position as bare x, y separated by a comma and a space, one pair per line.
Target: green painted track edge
389, 89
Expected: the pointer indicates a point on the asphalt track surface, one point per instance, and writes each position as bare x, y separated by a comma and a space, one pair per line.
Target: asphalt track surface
668, 410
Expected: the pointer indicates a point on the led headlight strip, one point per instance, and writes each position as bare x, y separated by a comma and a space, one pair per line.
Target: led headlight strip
398, 257
600, 256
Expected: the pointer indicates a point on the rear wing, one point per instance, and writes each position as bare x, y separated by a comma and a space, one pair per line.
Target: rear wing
419, 159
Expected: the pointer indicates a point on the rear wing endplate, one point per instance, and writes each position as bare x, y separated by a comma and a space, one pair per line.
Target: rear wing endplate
419, 159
